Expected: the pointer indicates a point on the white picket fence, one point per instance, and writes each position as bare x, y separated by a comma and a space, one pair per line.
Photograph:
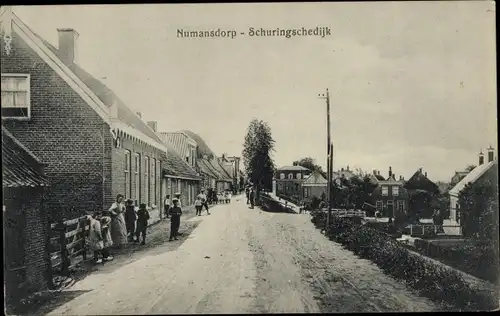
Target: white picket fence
347, 213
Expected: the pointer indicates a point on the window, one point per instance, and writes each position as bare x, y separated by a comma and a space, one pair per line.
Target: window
385, 190
306, 192
379, 205
153, 180
179, 186
401, 205
395, 190
146, 180
299, 175
137, 173
290, 176
128, 179
282, 176
15, 96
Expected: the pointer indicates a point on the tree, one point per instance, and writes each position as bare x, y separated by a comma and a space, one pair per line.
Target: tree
470, 168
479, 210
310, 163
257, 159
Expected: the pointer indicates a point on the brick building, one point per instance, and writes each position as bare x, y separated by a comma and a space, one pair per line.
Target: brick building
26, 229
93, 145
289, 181
390, 195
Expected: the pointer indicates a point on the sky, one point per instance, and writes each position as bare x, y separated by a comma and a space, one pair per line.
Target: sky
412, 84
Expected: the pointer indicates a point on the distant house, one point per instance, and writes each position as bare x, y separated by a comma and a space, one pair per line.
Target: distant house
232, 166
390, 195
27, 265
289, 181
342, 175
481, 172
315, 185
180, 177
94, 145
421, 190
209, 166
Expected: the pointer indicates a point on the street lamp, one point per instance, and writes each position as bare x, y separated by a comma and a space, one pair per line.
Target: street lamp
329, 159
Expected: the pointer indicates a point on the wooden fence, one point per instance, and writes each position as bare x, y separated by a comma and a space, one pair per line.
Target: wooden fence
68, 243
432, 230
346, 213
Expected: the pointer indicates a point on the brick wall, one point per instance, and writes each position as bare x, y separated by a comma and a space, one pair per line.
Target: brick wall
63, 132
118, 171
32, 230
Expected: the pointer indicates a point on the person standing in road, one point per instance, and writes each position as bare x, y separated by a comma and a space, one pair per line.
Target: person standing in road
118, 226
251, 197
175, 221
142, 223
198, 205
130, 218
204, 201
247, 192
166, 204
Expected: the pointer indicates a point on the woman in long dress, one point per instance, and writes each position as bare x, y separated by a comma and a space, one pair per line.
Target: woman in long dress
118, 226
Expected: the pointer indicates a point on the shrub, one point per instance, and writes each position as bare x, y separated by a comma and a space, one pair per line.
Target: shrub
429, 279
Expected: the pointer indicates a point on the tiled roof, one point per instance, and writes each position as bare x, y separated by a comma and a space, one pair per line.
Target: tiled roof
293, 168
203, 148
107, 96
20, 168
206, 168
473, 176
420, 182
315, 179
220, 170
178, 141
175, 166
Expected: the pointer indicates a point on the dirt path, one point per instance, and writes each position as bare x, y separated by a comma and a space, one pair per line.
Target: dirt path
239, 260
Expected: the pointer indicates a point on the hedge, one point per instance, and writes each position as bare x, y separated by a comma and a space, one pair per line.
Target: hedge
429, 279
476, 259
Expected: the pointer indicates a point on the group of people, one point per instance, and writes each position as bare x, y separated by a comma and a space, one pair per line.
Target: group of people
120, 224
223, 197
125, 222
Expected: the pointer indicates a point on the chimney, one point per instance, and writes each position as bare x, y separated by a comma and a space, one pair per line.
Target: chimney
153, 125
378, 172
139, 114
67, 45
420, 169
400, 178
491, 154
374, 172
481, 158
390, 172
426, 174
341, 169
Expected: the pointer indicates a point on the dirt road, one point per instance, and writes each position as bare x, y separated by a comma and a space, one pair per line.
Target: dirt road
239, 260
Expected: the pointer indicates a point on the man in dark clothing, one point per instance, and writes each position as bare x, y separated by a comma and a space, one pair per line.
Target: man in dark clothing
251, 196
247, 192
142, 222
130, 218
175, 222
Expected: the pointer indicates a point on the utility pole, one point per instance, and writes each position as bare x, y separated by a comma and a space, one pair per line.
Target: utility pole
329, 159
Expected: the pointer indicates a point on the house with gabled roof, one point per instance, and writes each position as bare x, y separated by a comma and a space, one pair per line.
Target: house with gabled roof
315, 185
27, 266
390, 196
94, 145
483, 171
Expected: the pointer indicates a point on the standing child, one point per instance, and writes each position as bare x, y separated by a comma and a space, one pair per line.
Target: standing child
130, 218
198, 205
142, 222
166, 204
95, 236
175, 213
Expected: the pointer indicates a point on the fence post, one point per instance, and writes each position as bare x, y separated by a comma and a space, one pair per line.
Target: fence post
423, 230
435, 230
411, 229
84, 249
61, 228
